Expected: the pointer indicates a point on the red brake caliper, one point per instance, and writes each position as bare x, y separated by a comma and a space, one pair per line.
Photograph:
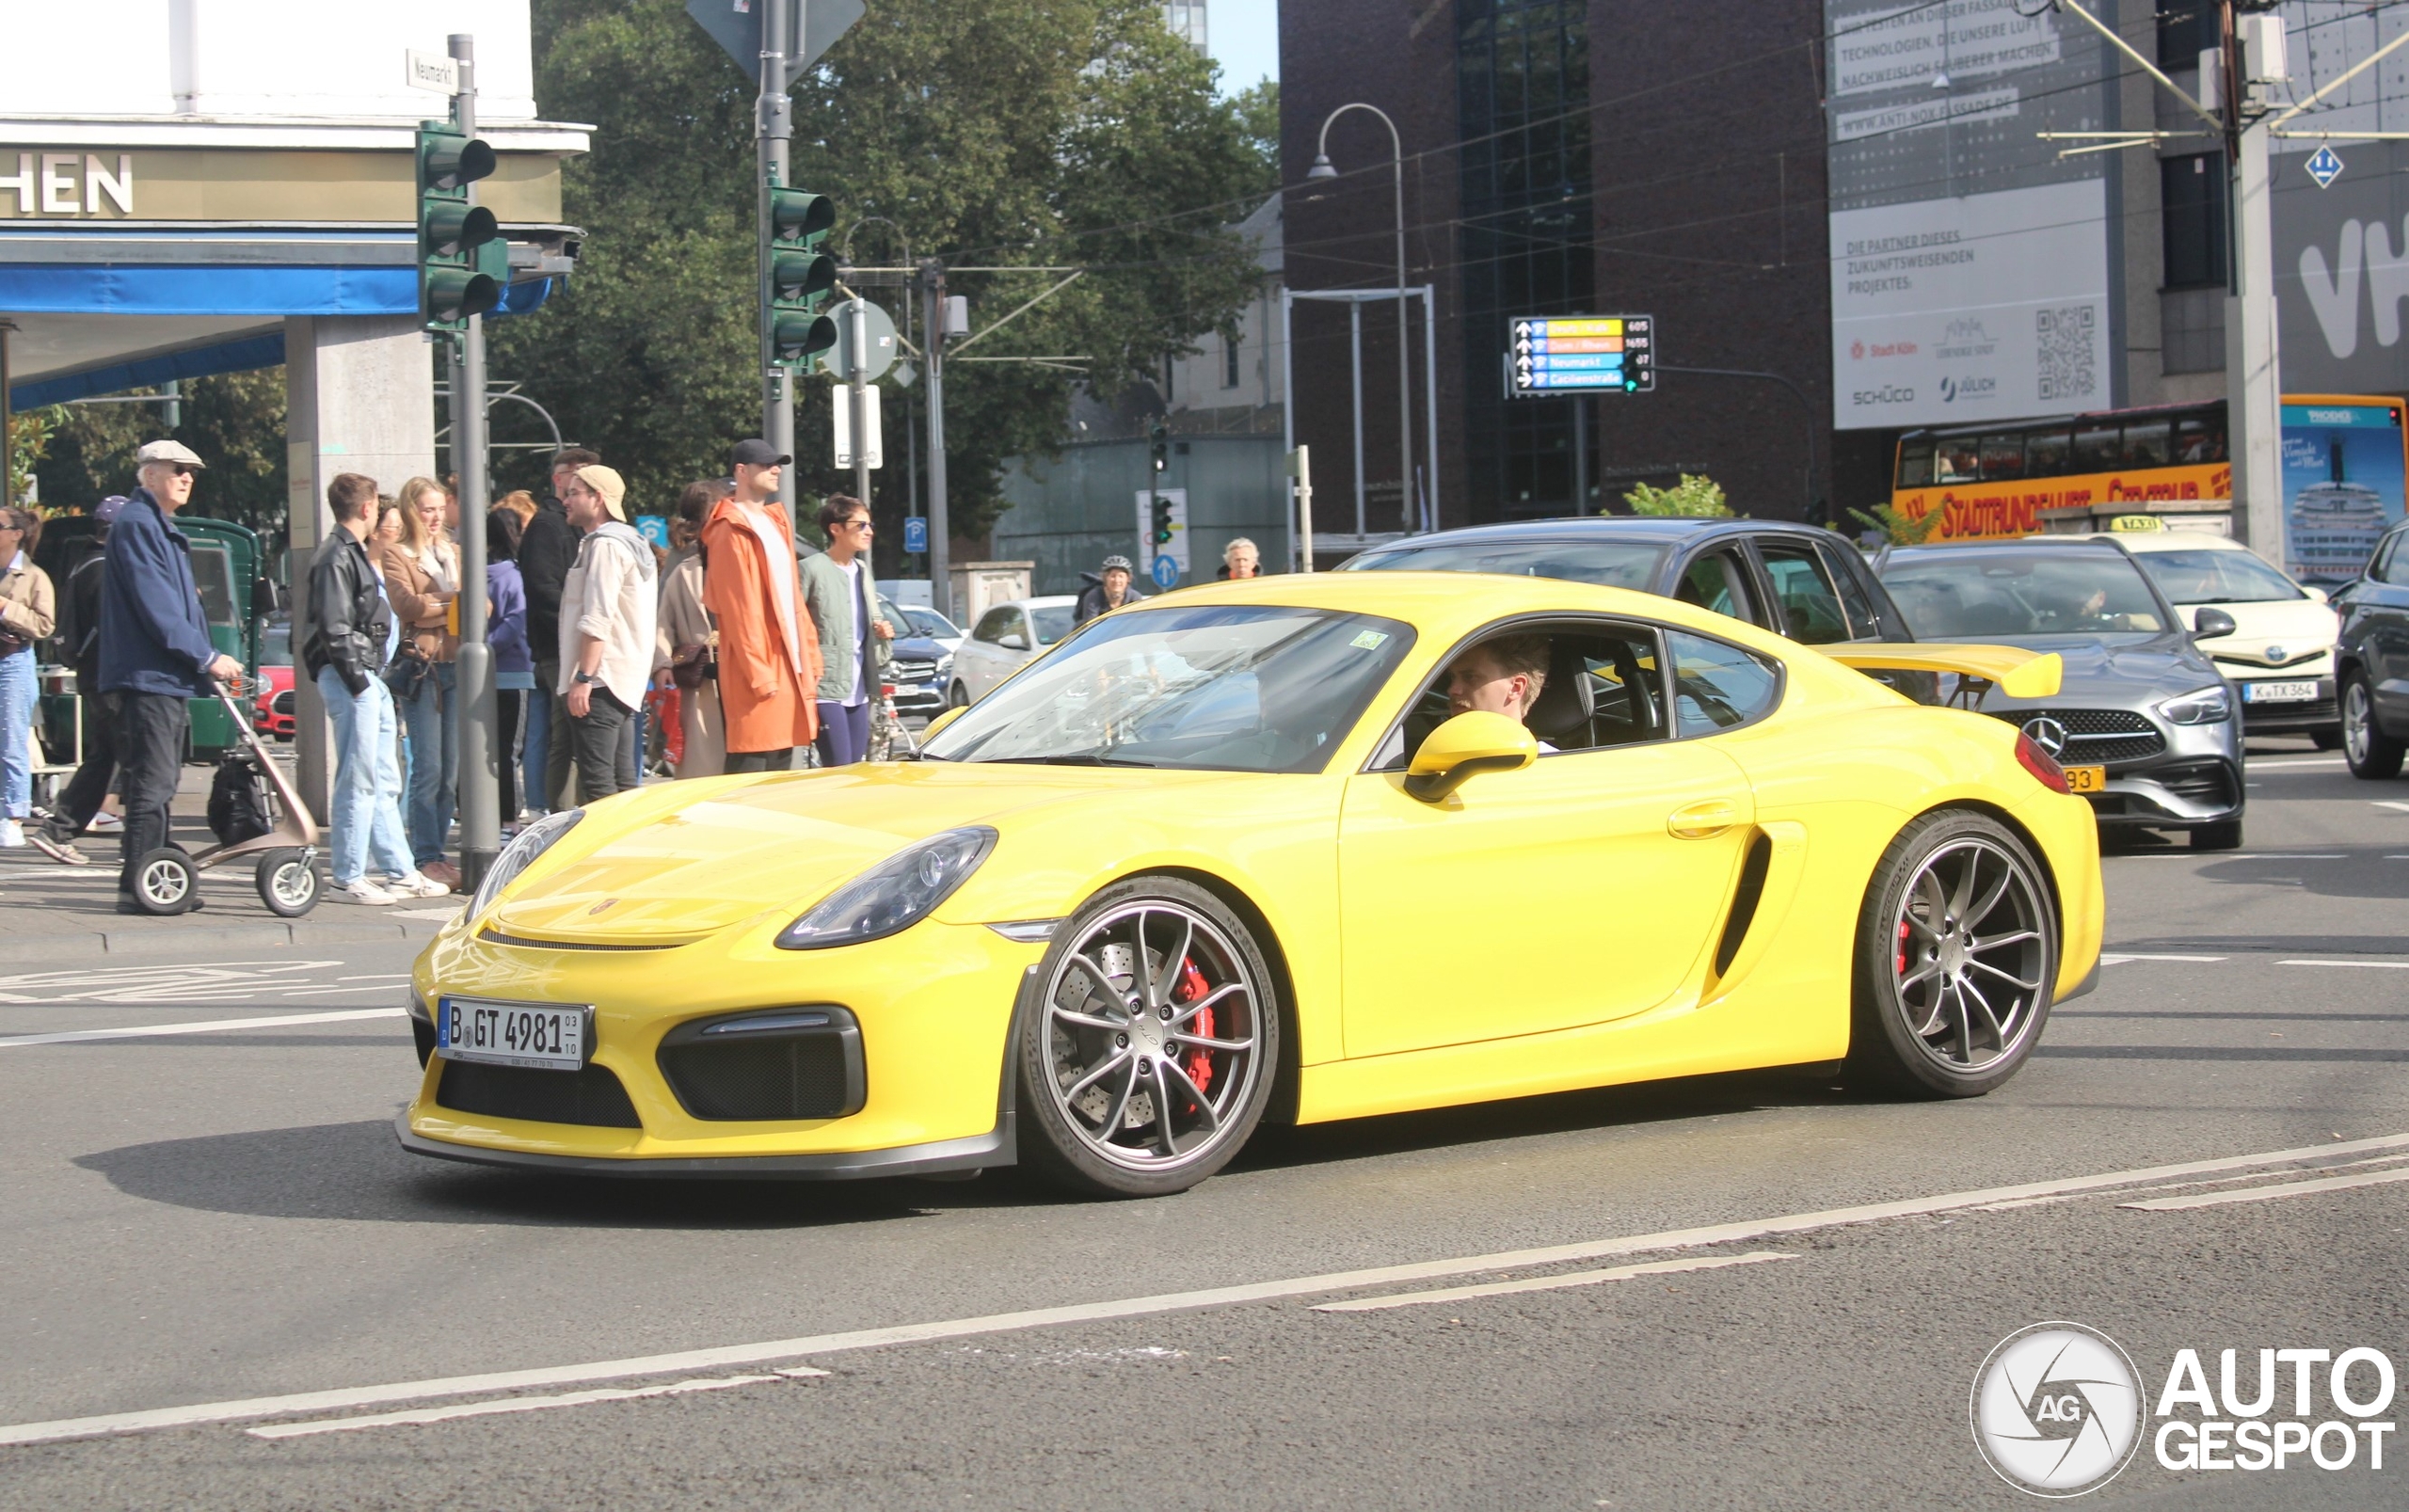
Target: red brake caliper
1191, 987
1903, 948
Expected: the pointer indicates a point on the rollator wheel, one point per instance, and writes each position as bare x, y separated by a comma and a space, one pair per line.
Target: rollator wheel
165, 882
288, 882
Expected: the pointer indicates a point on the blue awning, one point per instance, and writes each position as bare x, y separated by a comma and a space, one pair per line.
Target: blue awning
197, 362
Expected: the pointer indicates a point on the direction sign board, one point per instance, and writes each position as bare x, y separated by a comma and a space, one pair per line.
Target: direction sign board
1174, 551
2324, 165
1548, 357
430, 71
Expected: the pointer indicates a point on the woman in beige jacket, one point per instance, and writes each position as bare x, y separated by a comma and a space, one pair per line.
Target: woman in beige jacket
685, 624
28, 612
422, 580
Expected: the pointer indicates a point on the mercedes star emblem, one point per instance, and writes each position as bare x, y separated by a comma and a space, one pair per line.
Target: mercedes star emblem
2048, 734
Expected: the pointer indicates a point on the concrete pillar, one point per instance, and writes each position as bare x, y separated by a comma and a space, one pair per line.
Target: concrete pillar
359, 397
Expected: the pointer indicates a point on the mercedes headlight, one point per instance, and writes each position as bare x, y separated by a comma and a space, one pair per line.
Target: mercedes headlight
894, 894
520, 853
2210, 706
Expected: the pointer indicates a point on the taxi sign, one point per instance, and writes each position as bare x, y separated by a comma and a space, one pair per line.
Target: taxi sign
2136, 524
1548, 356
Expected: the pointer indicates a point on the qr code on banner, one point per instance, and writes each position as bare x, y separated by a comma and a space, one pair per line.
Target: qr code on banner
2065, 351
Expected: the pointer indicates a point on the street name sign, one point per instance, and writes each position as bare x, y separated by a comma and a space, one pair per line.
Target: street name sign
1551, 356
432, 70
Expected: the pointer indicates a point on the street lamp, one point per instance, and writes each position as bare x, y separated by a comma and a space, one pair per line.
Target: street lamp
1322, 169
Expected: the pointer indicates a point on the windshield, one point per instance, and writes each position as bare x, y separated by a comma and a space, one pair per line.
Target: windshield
1607, 564
1968, 595
2209, 576
1053, 622
1221, 689
276, 645
929, 623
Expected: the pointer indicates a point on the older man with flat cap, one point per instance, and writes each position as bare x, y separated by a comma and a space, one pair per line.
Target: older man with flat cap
155, 651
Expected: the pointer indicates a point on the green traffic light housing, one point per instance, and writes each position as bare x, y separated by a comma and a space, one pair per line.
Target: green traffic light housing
798, 337
463, 261
801, 276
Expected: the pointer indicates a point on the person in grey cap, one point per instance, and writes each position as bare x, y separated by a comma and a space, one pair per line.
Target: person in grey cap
155, 651
1109, 594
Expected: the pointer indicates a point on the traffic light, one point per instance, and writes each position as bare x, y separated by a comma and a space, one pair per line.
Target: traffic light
463, 262
801, 276
1158, 433
1163, 520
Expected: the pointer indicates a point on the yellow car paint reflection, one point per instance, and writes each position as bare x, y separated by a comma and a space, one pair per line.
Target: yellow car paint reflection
1604, 915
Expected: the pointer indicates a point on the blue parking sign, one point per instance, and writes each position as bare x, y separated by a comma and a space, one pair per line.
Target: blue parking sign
916, 534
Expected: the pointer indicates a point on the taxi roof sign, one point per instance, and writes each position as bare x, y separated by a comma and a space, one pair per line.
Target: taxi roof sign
2135, 524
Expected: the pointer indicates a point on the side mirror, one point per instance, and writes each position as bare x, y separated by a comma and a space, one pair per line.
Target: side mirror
2209, 621
944, 718
1012, 641
1464, 747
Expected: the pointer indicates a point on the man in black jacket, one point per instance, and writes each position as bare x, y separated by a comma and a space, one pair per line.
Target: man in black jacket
80, 637
547, 550
345, 648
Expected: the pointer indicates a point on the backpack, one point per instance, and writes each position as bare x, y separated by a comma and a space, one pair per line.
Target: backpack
237, 800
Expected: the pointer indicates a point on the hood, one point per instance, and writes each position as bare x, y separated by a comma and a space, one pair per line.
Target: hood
2115, 671
2280, 633
742, 848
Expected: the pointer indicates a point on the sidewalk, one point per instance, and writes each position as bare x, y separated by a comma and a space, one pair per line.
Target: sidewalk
51, 913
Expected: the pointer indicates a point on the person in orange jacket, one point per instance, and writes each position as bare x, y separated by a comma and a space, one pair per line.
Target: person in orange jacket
769, 653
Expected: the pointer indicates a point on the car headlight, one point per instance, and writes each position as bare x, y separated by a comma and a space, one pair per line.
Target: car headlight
520, 853
944, 665
894, 894
2210, 706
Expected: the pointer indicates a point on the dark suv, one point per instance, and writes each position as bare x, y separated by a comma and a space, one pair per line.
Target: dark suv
1795, 580
2372, 660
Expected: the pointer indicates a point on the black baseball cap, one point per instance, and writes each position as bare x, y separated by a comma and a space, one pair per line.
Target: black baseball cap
756, 454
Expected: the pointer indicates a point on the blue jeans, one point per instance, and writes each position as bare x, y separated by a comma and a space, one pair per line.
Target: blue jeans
18, 687
432, 717
367, 818
536, 752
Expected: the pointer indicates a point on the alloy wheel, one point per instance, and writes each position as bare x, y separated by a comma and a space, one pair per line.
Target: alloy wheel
2357, 722
1151, 1036
1971, 954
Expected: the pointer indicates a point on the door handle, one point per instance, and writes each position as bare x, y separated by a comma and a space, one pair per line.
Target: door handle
1702, 821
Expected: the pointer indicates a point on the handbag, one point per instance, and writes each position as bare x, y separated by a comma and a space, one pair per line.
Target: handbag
406, 671
690, 666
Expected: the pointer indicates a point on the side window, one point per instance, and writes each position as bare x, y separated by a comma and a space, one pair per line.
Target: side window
1809, 606
1598, 685
1018, 625
992, 626
1715, 581
1716, 686
1863, 624
2396, 561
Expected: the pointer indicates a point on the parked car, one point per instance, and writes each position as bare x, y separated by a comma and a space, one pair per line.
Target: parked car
273, 708
1005, 637
2280, 655
921, 664
2372, 660
2144, 721
927, 624
1795, 580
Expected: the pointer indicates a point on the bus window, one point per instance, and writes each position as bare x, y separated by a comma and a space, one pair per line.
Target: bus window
2146, 443
1960, 460
1915, 464
2002, 457
2199, 438
2097, 449
2045, 454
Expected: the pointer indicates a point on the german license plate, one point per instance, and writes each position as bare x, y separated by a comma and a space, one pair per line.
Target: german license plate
2087, 779
2279, 692
540, 1036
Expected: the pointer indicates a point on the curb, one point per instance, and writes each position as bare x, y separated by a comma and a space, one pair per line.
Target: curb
69, 945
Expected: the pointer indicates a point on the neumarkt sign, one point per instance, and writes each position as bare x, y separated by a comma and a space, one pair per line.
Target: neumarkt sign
253, 188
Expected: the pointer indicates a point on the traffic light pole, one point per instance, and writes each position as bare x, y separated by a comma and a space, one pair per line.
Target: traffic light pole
940, 533
480, 794
857, 391
773, 130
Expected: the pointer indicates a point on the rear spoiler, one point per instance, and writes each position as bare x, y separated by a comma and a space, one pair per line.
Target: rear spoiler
2016, 672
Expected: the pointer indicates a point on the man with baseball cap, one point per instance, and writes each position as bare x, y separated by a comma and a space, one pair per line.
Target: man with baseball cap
608, 605
155, 651
769, 652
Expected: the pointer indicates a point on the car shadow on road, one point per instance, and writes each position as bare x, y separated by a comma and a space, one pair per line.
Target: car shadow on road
358, 1173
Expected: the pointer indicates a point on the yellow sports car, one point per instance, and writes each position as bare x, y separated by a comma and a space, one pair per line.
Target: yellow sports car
1300, 848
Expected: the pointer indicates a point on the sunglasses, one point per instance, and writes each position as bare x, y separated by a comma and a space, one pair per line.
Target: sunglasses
861, 524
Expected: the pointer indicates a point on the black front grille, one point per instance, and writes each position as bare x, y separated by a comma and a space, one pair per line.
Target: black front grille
591, 1096
2201, 782
2096, 735
780, 1065
282, 703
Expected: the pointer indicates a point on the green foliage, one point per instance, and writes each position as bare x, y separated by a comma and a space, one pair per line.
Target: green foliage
30, 437
1008, 132
235, 420
1897, 527
1693, 498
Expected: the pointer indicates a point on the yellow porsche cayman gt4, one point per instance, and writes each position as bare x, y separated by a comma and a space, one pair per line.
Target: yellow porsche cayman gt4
1300, 848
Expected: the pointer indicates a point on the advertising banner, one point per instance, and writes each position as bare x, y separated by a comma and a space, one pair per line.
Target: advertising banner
2343, 478
1996, 510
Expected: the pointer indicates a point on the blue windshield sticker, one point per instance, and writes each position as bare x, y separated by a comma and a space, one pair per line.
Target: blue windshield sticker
1369, 640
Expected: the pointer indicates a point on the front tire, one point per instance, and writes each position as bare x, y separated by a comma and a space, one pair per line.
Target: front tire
957, 696
287, 881
2372, 754
1147, 1053
1957, 960
166, 882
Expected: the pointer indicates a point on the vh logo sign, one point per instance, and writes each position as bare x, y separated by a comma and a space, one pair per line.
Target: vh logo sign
2334, 291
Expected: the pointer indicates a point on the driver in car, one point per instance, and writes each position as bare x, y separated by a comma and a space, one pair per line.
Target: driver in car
1500, 677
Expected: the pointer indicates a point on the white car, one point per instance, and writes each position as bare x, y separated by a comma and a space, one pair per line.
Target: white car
2280, 655
1006, 636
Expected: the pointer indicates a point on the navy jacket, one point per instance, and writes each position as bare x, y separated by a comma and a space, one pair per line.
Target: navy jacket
153, 639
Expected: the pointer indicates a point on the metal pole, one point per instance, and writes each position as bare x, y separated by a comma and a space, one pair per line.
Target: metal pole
773, 129
940, 533
480, 796
1404, 357
857, 383
1300, 550
1305, 459
7, 423
1430, 397
1580, 453
1355, 393
2254, 400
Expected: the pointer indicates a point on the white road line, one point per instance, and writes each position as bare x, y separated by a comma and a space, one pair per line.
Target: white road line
2371, 966
276, 1021
2118, 959
760, 1353
2267, 1194
1547, 1283
2297, 764
2390, 803
2287, 855
513, 1404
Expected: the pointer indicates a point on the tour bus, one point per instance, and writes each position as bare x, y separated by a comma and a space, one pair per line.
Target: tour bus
2345, 457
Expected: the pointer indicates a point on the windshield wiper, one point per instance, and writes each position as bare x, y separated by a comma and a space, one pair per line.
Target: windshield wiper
1074, 758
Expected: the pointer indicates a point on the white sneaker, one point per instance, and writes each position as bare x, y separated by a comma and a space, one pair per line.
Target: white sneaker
417, 885
105, 820
12, 834
368, 893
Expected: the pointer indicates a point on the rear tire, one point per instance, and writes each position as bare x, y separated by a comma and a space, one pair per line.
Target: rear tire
2225, 836
2372, 754
1150, 1043
1957, 960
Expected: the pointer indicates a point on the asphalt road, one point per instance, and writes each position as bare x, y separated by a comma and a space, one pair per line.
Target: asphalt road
200, 1218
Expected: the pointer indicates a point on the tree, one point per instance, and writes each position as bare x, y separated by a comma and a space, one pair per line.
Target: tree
1694, 497
233, 420
30, 437
1019, 134
1899, 528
